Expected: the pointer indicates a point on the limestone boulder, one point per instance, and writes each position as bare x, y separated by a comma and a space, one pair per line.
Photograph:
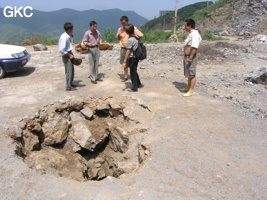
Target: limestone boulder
102, 106
119, 141
30, 141
61, 105
55, 130
76, 103
71, 145
259, 76
90, 104
115, 105
34, 125
76, 116
96, 168
87, 112
81, 133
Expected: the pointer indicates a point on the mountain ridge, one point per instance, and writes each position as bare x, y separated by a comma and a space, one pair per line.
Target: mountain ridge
50, 24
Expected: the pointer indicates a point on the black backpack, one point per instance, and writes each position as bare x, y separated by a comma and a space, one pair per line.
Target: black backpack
140, 52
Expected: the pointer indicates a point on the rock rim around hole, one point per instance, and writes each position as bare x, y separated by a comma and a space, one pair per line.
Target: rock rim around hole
84, 138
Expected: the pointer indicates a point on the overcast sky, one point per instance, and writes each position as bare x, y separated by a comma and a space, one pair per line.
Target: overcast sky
146, 8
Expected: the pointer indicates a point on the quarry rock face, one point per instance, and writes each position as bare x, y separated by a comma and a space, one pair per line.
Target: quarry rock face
84, 138
247, 15
237, 18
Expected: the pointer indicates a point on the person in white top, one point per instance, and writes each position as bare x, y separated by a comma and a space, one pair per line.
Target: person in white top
65, 48
191, 45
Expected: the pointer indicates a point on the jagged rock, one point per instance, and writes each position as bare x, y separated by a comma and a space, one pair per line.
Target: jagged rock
82, 135
43, 116
119, 141
76, 103
128, 110
72, 145
33, 125
55, 130
30, 141
87, 112
102, 105
91, 105
118, 165
114, 105
173, 38
96, 169
40, 47
259, 76
91, 135
61, 106
76, 116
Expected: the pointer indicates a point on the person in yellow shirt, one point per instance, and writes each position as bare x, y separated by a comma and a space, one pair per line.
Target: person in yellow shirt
123, 38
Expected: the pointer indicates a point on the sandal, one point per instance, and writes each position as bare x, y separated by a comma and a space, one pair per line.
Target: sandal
124, 80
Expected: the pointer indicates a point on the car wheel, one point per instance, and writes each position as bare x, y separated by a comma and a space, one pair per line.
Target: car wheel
2, 72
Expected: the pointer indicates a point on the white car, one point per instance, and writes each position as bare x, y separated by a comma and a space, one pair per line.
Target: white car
12, 58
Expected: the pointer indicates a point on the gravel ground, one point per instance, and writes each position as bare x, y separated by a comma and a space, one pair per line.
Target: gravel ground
208, 146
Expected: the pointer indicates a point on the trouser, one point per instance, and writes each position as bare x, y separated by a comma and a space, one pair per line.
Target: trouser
133, 64
122, 55
93, 55
190, 69
69, 71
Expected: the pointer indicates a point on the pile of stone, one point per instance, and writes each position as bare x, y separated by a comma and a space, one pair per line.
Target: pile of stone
84, 138
258, 76
174, 38
260, 39
40, 47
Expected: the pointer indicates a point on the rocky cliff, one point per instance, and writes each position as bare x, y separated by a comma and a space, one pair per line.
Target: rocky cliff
240, 17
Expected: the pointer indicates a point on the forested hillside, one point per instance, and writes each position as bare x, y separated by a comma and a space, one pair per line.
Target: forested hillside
167, 21
50, 24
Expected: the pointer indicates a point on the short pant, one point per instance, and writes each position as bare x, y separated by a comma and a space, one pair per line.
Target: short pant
190, 69
122, 56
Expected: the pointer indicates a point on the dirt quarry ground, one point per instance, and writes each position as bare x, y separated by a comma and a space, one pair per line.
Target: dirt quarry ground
212, 145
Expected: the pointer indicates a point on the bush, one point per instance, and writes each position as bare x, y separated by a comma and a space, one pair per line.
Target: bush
207, 35
109, 34
39, 40
157, 36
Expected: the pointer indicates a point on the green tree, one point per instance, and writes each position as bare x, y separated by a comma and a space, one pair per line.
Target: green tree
208, 35
157, 36
109, 34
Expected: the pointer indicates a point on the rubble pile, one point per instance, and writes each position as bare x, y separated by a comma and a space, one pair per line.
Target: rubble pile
84, 138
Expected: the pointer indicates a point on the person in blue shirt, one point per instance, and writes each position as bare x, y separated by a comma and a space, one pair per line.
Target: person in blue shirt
65, 48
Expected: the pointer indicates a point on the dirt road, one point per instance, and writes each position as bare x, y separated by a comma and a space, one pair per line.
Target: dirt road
208, 146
